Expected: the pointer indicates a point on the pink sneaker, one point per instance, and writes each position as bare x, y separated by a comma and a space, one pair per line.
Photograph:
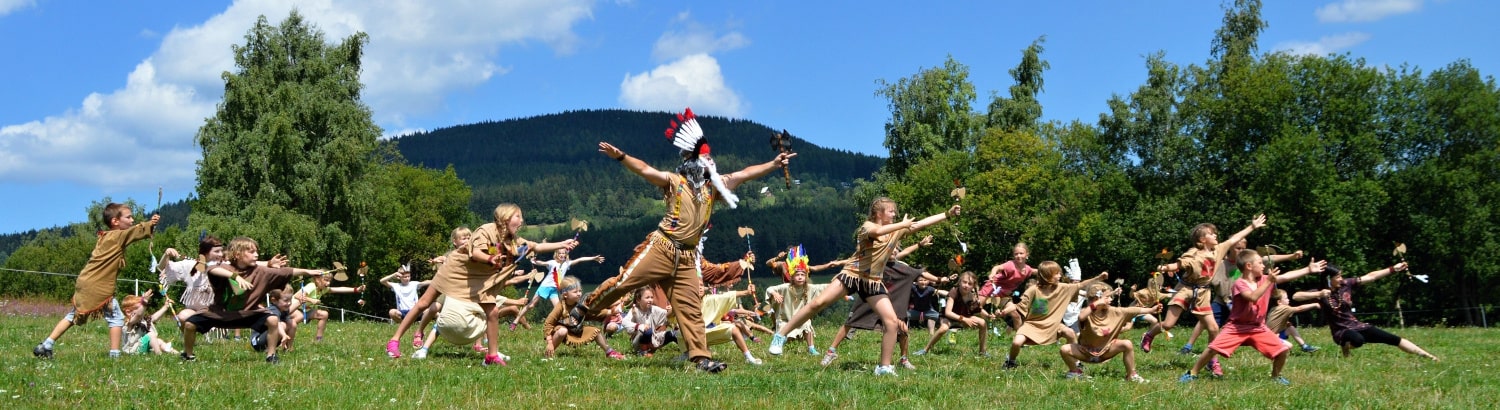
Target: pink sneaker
1215, 368
615, 355
416, 342
494, 359
393, 348
1146, 341
479, 348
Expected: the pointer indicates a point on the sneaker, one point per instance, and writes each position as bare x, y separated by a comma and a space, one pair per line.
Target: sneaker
1215, 368
753, 360
919, 352
1078, 375
494, 359
776, 342
1186, 349
1187, 378
479, 348
420, 354
711, 366
983, 354
273, 359
512, 326
1138, 379
258, 341
907, 364
829, 358
1010, 364
393, 348
812, 350
1282, 380
416, 342
995, 330
1309, 348
614, 354
1146, 342
41, 352
187, 357
885, 370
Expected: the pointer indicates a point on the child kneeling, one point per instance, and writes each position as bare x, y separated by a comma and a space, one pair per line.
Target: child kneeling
563, 326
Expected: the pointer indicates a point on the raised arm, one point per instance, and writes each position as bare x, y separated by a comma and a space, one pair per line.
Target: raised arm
389, 280
1257, 222
654, 176
926, 240
1102, 276
1285, 257
1382, 273
734, 179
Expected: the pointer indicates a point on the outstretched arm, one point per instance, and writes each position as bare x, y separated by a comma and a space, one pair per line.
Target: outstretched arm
734, 179
926, 240
1314, 266
1382, 273
1310, 295
638, 167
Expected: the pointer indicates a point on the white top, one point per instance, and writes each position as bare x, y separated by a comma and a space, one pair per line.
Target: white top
406, 295
556, 271
198, 294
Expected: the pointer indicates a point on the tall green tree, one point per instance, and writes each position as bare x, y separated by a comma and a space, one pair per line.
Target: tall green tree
286, 154
931, 112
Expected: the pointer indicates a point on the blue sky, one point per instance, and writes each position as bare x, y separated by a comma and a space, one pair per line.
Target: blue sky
103, 98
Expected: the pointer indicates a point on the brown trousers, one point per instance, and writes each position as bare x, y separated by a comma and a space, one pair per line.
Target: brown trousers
674, 268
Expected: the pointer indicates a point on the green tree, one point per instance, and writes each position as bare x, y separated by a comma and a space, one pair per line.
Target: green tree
931, 112
286, 154
1021, 110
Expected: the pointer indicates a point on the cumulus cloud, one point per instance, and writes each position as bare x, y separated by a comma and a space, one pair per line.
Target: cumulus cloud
1325, 45
693, 81
690, 76
8, 6
141, 135
1347, 11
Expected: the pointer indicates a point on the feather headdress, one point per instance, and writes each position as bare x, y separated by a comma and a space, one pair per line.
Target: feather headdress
796, 260
687, 136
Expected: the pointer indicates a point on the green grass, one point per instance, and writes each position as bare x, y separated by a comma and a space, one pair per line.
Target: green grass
349, 370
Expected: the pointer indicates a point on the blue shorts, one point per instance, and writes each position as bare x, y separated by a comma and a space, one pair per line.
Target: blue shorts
403, 312
112, 314
547, 292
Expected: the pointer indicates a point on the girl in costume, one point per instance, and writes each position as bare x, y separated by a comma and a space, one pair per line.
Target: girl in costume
963, 310
876, 239
140, 328
562, 326
1043, 305
647, 324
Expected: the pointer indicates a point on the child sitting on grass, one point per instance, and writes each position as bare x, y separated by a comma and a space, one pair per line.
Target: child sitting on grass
562, 327
140, 328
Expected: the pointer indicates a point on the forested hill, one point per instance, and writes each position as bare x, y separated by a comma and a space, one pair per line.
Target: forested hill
551, 167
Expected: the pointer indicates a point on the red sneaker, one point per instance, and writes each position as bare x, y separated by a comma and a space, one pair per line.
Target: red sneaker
416, 342
1146, 342
1215, 368
493, 359
613, 354
393, 348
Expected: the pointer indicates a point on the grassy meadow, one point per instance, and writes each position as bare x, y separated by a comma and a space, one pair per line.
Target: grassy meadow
349, 370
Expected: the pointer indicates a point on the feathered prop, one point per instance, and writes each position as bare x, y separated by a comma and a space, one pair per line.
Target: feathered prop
796, 258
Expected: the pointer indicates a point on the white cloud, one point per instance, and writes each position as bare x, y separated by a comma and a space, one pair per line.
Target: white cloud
1347, 11
142, 134
692, 81
1325, 45
7, 6
694, 39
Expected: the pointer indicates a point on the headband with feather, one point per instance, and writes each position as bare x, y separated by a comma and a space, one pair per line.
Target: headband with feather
687, 136
796, 260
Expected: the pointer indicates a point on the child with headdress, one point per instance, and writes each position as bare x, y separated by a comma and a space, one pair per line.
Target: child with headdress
566, 326
1043, 305
671, 254
788, 297
1098, 337
197, 294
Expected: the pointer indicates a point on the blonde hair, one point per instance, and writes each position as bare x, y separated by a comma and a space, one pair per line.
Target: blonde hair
503, 213
1279, 294
875, 207
1049, 271
1098, 290
568, 282
238, 246
459, 233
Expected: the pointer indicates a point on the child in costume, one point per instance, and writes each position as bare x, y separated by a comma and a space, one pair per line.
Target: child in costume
1247, 316
197, 294
140, 328
1220, 284
671, 255
556, 269
94, 293
877, 239
963, 310
1337, 303
647, 324
788, 297
1278, 319
242, 307
477, 271
1098, 338
1043, 305
1197, 268
898, 275
307, 304
562, 326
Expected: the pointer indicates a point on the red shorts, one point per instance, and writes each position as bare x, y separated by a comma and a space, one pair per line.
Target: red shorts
1264, 341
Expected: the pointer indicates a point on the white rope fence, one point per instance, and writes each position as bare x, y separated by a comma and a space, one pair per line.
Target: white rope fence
342, 312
